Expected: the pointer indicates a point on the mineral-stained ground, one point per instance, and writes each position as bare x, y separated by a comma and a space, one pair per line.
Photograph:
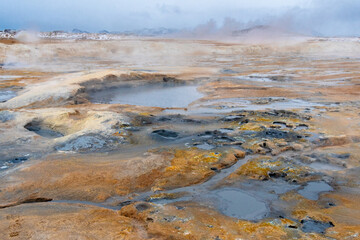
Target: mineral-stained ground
180, 139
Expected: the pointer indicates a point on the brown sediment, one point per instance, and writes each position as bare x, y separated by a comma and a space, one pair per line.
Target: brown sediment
94, 179
66, 221
264, 168
80, 178
190, 167
186, 220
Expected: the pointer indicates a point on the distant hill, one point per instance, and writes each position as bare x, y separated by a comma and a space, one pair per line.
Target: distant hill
75, 30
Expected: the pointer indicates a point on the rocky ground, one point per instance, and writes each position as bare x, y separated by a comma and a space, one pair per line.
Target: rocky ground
180, 139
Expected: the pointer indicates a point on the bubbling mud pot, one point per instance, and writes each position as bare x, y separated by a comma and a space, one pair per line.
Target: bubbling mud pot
233, 141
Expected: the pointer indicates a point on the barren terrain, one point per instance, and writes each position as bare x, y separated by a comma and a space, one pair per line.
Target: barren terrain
144, 138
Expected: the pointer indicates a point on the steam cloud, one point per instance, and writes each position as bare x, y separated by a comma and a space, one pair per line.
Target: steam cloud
202, 17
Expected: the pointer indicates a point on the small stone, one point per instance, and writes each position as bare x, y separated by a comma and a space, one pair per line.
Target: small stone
167, 134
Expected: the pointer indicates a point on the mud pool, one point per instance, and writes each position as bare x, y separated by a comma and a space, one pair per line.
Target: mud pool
155, 95
312, 190
238, 204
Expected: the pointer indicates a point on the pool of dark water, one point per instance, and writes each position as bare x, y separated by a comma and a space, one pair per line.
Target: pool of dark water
42, 130
154, 95
237, 203
313, 189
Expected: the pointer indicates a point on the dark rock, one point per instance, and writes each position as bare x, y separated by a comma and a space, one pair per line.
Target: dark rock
311, 225
215, 169
17, 160
125, 203
217, 137
166, 134
233, 118
177, 118
164, 119
277, 174
188, 120
27, 200
275, 133
341, 156
169, 79
142, 207
244, 121
34, 200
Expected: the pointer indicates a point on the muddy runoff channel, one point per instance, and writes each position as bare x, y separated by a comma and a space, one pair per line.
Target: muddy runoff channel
244, 156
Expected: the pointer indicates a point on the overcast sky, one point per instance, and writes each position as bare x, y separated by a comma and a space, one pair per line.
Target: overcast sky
327, 17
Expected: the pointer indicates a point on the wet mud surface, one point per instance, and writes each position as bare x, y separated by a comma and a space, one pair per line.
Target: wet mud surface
231, 141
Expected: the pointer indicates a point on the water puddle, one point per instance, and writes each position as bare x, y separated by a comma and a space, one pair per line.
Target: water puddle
42, 130
236, 203
154, 95
313, 189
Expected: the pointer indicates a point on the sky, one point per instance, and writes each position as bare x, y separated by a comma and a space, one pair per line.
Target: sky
322, 17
